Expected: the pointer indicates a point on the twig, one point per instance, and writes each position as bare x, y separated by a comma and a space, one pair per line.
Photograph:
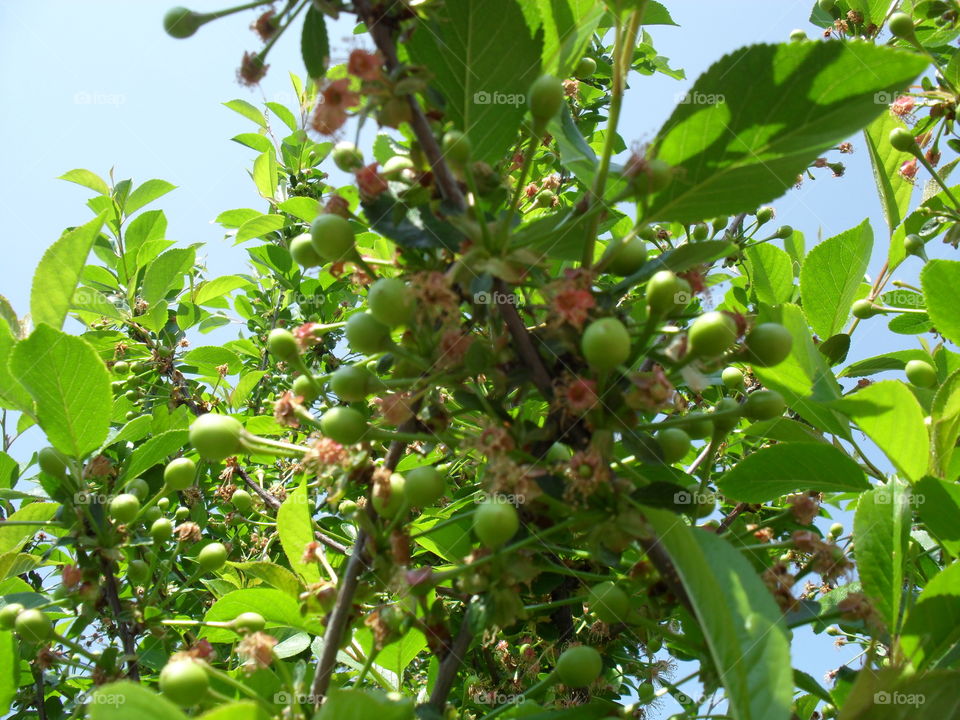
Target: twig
450, 664
38, 677
272, 502
521, 338
113, 597
331, 543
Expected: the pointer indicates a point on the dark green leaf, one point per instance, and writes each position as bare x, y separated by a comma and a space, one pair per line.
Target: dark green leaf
314, 43
881, 528
941, 279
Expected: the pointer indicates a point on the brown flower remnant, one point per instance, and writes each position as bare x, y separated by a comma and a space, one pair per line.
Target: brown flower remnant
827, 559
504, 477
72, 575
572, 305
188, 532
338, 205
453, 348
902, 107
285, 410
585, 472
265, 26
651, 390
100, 466
908, 171
434, 295
857, 606
577, 395
804, 506
846, 148
779, 582
324, 454
364, 65
256, 650
396, 408
331, 111
252, 69
371, 183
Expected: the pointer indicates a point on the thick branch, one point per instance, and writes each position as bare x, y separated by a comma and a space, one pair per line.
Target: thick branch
126, 636
270, 501
450, 664
381, 31
521, 339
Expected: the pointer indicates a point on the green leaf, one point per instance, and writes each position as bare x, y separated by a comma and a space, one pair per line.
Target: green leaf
13, 536
938, 503
272, 574
743, 628
483, 87
803, 378
248, 111
831, 276
88, 179
265, 175
58, 272
896, 360
945, 424
578, 157
771, 273
209, 357
296, 531
258, 227
881, 529
123, 700
9, 315
70, 385
10, 659
314, 43
165, 273
775, 109
918, 223
254, 141
451, 542
241, 710
931, 630
284, 114
891, 694
154, 451
396, 656
568, 26
218, 287
13, 395
363, 705
146, 194
940, 280
276, 606
891, 416
894, 191
788, 467
303, 208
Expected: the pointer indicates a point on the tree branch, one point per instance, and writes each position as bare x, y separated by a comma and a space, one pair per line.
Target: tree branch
271, 502
450, 664
126, 637
521, 338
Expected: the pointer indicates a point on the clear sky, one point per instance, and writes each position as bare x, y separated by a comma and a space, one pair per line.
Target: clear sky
98, 84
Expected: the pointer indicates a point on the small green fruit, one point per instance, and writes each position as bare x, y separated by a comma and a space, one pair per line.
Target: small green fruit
180, 473
180, 23
783, 232
124, 508
585, 68
249, 622
303, 252
241, 500
351, 383
864, 309
344, 425
367, 335
559, 453
212, 557
732, 378
902, 139
674, 444
921, 373
388, 506
646, 692
138, 571
608, 602
764, 405
627, 258
798, 35
605, 344
457, 148
347, 157
579, 666
546, 97
121, 368
723, 425
216, 437
768, 344
395, 166
283, 345
836, 530
390, 301
138, 487
332, 237
184, 682
663, 291
711, 334
306, 387
8, 615
424, 486
181, 513
914, 245
700, 232
51, 462
901, 26
33, 625
161, 530
653, 176
765, 215
495, 522
698, 426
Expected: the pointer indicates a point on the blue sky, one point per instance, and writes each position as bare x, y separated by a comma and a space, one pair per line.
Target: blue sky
98, 85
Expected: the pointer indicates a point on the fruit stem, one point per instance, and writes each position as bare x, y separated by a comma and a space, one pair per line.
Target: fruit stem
472, 203
234, 683
254, 443
538, 607
623, 55
442, 524
936, 176
217, 14
524, 171
76, 647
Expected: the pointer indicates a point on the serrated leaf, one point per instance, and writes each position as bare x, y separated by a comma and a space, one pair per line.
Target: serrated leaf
276, 606
894, 191
166, 272
940, 280
70, 385
125, 699
258, 227
58, 272
775, 108
13, 395
296, 530
484, 89
314, 43
146, 194
881, 528
87, 179
831, 276
931, 630
248, 111
218, 287
789, 467
154, 451
771, 273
